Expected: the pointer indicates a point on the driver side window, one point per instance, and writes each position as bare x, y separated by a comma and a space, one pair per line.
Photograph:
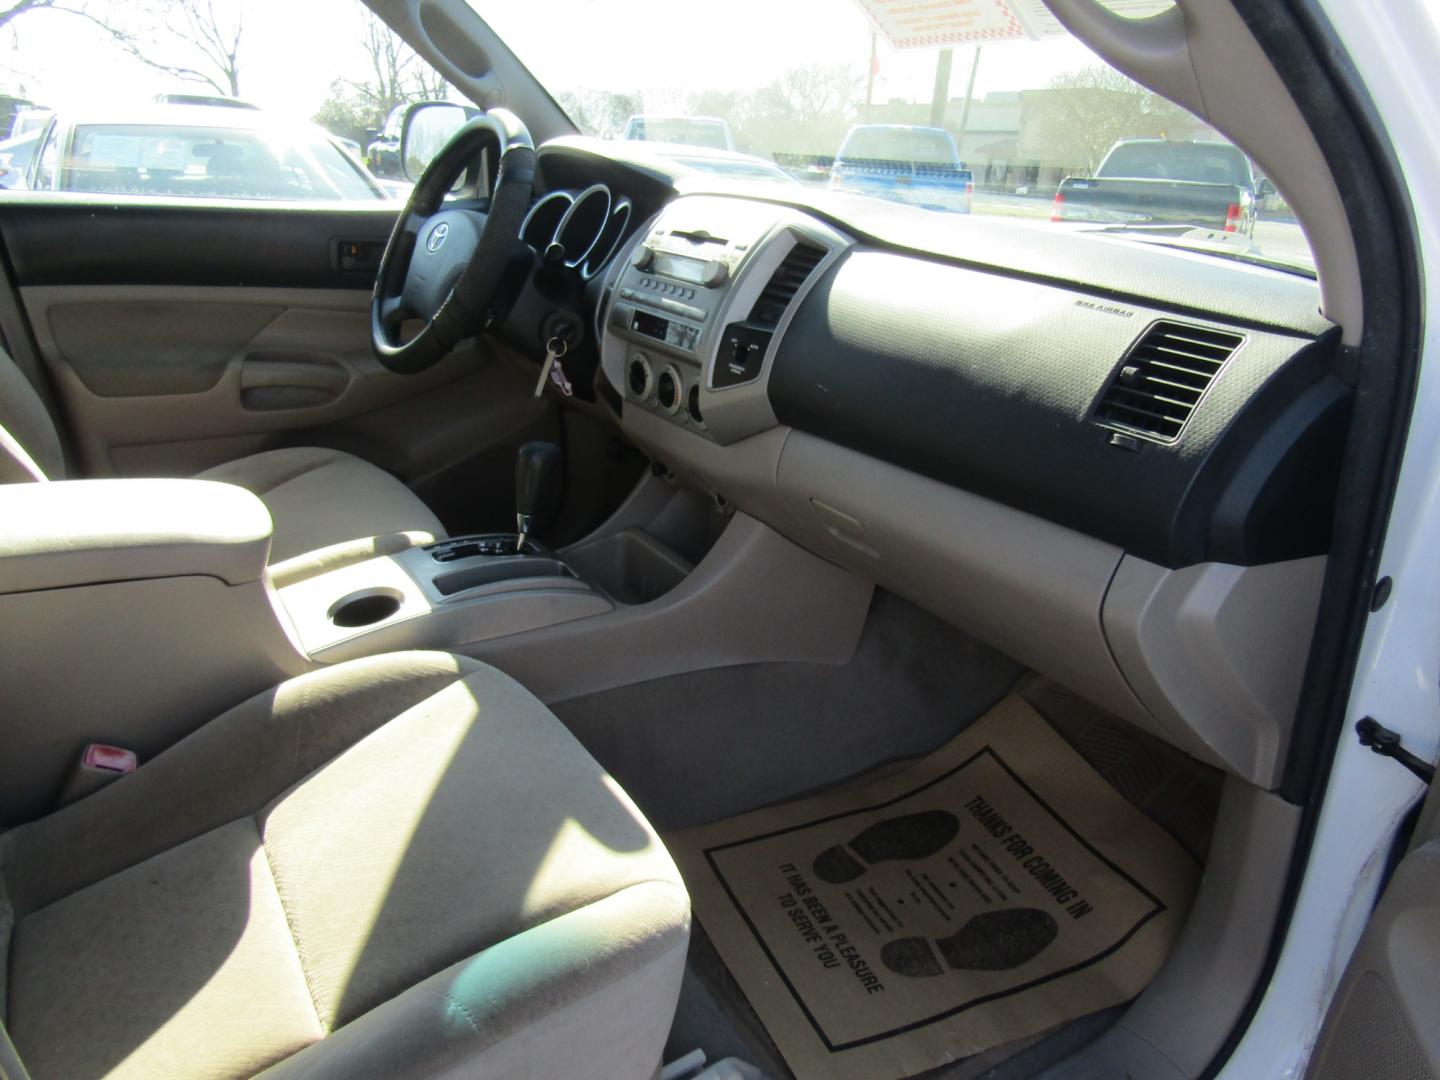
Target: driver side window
221, 99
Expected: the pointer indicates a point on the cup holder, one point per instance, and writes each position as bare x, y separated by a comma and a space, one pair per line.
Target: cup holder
365, 608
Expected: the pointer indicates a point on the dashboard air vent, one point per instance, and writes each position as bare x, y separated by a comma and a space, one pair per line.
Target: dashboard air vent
1163, 377
785, 283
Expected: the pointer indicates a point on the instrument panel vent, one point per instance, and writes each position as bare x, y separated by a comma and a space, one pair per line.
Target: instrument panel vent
789, 276
1162, 379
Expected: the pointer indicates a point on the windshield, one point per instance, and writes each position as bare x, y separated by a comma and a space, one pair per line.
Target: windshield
156, 159
805, 84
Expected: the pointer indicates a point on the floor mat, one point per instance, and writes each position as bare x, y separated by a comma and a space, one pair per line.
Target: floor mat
1173, 789
990, 891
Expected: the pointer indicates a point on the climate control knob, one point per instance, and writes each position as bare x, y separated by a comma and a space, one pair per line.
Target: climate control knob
668, 390
638, 374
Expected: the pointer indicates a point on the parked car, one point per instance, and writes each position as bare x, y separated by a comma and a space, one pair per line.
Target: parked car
707, 131
1166, 182
196, 150
220, 101
350, 146
30, 118
904, 163
382, 153
15, 155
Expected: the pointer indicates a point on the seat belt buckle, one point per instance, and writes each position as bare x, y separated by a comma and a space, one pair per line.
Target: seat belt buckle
99, 765
114, 759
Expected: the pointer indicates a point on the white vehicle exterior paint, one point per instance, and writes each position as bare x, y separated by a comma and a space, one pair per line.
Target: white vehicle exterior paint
1393, 48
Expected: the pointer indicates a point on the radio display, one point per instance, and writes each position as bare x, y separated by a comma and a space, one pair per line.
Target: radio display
642, 322
678, 334
680, 268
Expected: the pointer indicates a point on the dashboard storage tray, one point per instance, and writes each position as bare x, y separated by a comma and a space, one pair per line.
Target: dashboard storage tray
631, 566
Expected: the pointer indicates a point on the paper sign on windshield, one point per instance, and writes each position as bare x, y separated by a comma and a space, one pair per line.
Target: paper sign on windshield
930, 24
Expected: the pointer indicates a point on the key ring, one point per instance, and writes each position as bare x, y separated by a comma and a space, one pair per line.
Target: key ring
557, 347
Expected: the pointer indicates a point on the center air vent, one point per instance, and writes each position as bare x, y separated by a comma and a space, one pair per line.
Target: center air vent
1163, 378
785, 283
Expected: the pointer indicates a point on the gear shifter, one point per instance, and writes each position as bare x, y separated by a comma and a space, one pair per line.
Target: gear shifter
537, 488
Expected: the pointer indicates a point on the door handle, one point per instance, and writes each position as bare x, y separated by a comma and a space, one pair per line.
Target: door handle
290, 380
356, 256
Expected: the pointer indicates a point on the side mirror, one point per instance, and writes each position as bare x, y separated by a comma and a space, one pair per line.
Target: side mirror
1264, 187
426, 129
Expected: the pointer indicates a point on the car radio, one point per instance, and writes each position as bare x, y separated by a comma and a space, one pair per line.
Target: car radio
679, 340
675, 280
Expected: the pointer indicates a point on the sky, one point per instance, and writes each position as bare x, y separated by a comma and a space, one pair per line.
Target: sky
293, 49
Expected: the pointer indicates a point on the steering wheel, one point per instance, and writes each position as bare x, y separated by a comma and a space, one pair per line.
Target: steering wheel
445, 265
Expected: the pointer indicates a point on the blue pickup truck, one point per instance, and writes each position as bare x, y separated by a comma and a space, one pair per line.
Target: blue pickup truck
904, 163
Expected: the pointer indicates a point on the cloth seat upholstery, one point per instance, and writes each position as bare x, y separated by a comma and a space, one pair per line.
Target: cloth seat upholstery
399, 866
320, 498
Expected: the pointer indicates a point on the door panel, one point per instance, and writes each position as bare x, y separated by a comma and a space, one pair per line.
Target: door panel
181, 336
1382, 1021
172, 379
145, 345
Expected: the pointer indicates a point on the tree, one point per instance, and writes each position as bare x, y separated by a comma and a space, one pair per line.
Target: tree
22, 7
344, 114
805, 111
211, 41
601, 113
812, 94
395, 75
728, 105
186, 39
1084, 113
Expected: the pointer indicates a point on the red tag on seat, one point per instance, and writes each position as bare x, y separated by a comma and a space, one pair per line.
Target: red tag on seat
113, 758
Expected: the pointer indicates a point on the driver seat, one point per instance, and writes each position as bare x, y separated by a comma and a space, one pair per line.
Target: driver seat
317, 498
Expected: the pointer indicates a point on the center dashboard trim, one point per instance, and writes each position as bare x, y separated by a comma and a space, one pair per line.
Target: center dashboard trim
653, 319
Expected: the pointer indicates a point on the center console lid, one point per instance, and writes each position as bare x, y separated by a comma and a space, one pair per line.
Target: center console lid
79, 532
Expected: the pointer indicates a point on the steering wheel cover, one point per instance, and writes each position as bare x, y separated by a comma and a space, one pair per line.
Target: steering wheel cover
463, 310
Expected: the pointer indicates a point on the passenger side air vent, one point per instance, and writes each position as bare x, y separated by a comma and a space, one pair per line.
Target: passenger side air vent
785, 283
1163, 378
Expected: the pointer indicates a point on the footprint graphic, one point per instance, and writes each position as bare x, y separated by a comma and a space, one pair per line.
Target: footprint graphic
910, 836
992, 941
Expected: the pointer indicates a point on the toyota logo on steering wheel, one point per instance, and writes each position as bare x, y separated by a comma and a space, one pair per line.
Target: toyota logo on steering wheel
437, 236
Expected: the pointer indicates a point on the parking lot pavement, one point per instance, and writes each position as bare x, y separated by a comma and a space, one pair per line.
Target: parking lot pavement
998, 205
1282, 239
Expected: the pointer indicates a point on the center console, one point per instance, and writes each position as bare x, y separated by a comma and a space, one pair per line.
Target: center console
173, 621
459, 591
133, 610
130, 611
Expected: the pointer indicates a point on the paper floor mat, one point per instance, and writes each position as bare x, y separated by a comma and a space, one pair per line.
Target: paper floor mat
989, 892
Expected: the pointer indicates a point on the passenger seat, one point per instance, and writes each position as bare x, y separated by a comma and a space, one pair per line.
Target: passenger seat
402, 866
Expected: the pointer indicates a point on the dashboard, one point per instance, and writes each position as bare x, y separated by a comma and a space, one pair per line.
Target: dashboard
1116, 464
